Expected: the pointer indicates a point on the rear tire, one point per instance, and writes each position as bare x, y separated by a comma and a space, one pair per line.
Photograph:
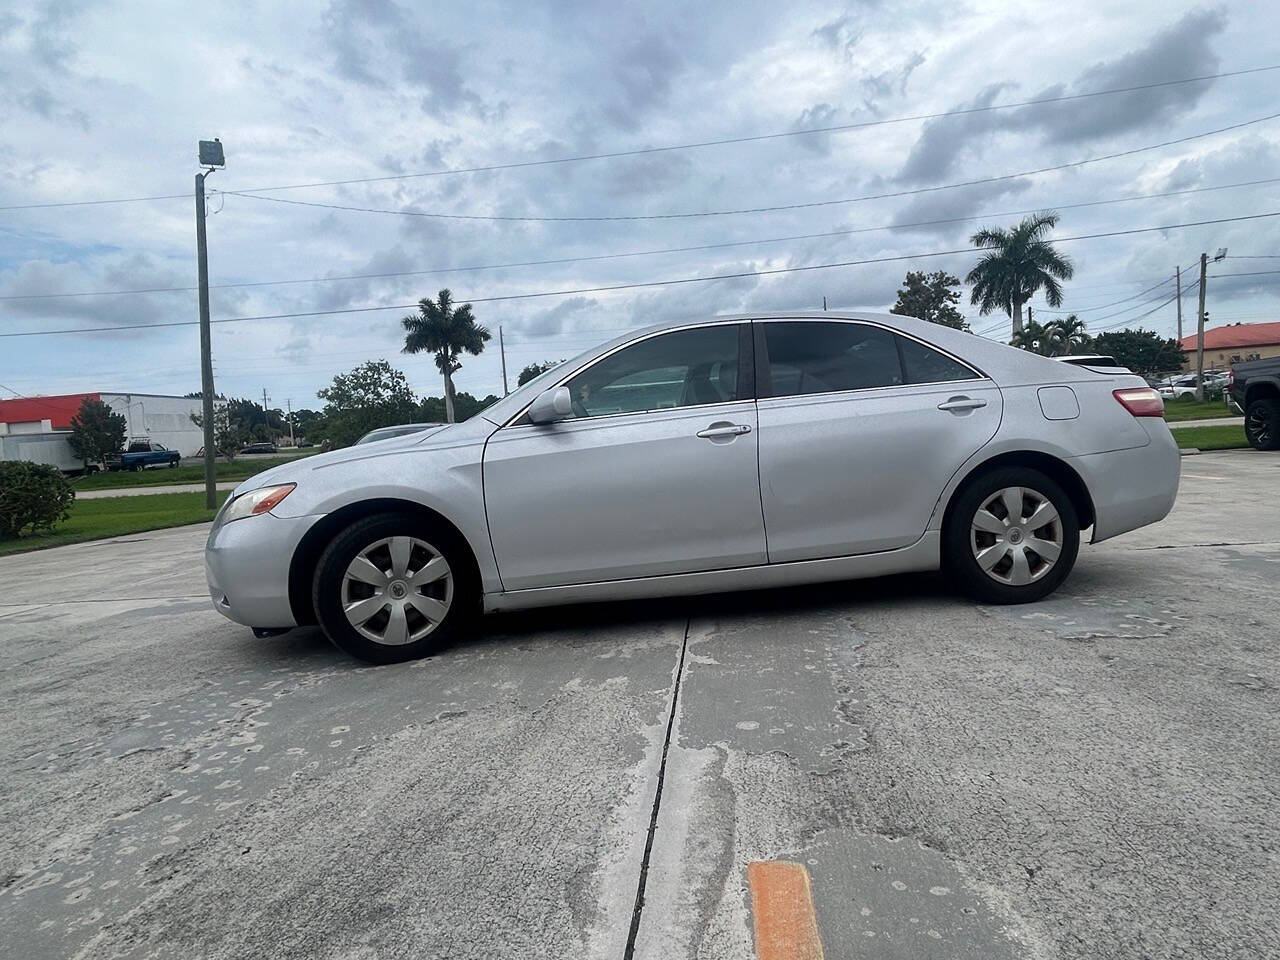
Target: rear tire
1001, 559
395, 587
1262, 424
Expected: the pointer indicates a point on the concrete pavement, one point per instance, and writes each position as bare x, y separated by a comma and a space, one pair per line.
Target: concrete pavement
1091, 776
156, 488
1215, 422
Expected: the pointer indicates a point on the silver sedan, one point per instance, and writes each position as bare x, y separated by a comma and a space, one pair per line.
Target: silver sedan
727, 454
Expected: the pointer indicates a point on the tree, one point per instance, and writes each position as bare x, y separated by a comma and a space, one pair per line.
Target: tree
466, 406
229, 435
536, 370
1070, 335
1035, 338
96, 432
304, 421
1021, 262
446, 332
372, 395
1144, 352
930, 296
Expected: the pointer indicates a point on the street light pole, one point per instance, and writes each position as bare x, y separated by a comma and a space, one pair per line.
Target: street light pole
1177, 282
1204, 262
206, 349
502, 349
210, 156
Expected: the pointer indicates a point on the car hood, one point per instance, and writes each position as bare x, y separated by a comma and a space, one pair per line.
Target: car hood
297, 470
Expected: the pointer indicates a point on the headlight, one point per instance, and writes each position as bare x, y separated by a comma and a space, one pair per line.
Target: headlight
256, 501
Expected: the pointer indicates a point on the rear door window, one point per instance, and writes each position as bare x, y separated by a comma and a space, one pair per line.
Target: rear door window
808, 357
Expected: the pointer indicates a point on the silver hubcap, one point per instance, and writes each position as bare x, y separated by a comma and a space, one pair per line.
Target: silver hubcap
1016, 536
397, 590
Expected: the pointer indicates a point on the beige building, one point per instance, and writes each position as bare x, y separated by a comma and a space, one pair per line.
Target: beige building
1234, 343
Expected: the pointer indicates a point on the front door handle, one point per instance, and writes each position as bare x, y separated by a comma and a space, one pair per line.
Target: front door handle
962, 403
719, 430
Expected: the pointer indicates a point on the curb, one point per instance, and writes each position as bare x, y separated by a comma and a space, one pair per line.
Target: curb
1190, 451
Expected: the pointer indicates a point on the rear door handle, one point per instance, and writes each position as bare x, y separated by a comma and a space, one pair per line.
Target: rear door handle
962, 403
724, 430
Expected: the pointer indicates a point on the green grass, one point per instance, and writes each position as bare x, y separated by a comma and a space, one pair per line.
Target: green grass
114, 516
236, 470
1230, 437
1177, 410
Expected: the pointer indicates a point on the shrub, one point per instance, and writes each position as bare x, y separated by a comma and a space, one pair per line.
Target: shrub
33, 496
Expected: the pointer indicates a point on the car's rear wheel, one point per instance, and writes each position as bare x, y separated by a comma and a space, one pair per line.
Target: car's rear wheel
1262, 424
394, 587
1012, 536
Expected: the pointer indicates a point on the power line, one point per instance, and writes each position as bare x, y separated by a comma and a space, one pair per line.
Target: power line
634, 286
1251, 273
643, 151
1141, 316
748, 210
646, 253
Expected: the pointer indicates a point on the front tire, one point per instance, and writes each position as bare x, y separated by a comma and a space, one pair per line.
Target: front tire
1012, 536
394, 587
1262, 424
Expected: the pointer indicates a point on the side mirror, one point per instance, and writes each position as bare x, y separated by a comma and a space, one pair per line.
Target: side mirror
551, 405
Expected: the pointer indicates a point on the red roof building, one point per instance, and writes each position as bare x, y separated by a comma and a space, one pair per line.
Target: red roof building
32, 410
1234, 343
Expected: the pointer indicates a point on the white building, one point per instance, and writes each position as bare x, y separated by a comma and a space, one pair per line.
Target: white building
36, 428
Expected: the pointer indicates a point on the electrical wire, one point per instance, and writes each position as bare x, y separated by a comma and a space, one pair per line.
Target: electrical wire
727, 141
631, 286
628, 218
642, 253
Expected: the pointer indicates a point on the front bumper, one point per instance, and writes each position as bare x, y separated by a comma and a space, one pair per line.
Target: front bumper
246, 563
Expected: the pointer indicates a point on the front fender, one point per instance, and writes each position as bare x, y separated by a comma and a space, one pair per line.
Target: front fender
445, 479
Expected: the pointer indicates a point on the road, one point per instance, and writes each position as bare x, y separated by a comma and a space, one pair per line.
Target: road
1093, 776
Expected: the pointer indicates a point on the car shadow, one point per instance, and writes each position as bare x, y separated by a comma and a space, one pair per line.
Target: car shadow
775, 600
310, 644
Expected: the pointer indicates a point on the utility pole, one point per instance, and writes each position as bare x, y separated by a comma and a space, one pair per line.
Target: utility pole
289, 404
1177, 281
1204, 262
824, 304
266, 419
502, 350
1028, 315
211, 156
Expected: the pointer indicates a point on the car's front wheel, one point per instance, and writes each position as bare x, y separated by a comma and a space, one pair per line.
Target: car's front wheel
394, 587
1262, 424
1012, 536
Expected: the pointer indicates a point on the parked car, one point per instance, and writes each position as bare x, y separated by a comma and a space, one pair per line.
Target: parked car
1092, 360
141, 454
400, 430
735, 453
260, 447
1255, 387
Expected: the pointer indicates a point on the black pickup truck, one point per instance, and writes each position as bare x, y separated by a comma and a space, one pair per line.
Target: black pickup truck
1255, 386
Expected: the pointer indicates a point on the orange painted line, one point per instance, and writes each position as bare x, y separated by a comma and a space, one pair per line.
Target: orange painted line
786, 925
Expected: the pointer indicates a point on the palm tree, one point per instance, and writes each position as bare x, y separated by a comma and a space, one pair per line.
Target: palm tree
1021, 262
441, 329
1035, 338
1070, 334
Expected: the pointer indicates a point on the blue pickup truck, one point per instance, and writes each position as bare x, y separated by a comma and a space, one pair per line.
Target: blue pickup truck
142, 454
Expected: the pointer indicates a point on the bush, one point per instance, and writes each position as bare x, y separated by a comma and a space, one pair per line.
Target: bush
33, 496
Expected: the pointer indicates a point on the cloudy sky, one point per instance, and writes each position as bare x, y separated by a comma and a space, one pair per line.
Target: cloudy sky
104, 101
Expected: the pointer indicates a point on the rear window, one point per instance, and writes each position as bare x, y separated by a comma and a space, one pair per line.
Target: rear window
925, 365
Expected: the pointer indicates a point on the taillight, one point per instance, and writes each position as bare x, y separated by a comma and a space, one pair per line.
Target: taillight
1231, 379
1140, 401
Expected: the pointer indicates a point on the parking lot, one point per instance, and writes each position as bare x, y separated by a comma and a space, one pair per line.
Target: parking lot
1091, 776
